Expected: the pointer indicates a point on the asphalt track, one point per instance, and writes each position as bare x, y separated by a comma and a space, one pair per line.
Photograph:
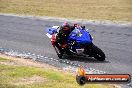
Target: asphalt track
27, 34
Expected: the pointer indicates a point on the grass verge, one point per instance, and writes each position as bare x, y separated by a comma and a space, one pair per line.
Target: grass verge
3, 59
35, 77
119, 10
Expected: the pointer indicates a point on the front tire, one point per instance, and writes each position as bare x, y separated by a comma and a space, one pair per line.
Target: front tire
98, 53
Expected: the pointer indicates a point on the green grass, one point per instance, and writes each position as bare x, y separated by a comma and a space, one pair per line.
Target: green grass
115, 10
55, 79
10, 74
4, 59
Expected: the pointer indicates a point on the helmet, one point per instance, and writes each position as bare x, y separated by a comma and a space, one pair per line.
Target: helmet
65, 26
76, 25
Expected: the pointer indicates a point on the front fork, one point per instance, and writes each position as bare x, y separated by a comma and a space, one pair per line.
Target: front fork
88, 49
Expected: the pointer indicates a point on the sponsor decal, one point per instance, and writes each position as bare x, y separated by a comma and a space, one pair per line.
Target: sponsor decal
83, 78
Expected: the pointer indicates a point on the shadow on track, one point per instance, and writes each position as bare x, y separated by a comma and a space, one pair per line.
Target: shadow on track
84, 59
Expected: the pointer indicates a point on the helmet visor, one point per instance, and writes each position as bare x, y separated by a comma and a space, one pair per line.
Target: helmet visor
66, 28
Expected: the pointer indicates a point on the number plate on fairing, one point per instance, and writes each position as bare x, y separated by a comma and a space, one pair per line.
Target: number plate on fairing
79, 51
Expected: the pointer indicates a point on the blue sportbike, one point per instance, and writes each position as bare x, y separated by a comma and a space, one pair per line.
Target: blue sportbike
78, 43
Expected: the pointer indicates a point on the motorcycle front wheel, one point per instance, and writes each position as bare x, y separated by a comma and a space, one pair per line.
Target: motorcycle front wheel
98, 53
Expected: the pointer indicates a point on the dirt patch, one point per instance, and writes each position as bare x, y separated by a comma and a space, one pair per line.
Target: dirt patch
9, 63
26, 62
29, 80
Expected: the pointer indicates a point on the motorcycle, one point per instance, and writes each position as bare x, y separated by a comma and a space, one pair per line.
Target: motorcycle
78, 43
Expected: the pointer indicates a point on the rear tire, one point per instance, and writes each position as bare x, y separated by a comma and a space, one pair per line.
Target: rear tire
98, 53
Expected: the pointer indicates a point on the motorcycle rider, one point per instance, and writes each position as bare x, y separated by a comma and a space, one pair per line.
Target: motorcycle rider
62, 35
